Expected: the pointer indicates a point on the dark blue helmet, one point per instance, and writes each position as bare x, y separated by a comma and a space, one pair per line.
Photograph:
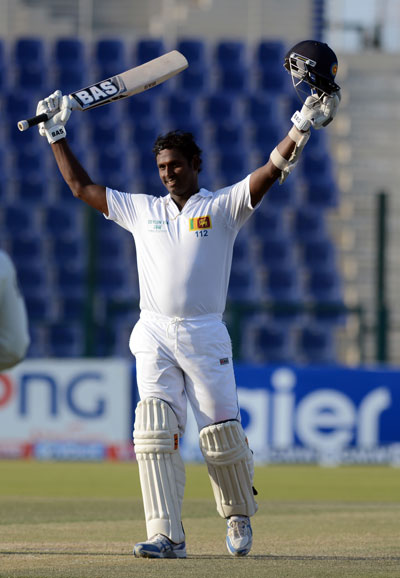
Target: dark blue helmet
314, 63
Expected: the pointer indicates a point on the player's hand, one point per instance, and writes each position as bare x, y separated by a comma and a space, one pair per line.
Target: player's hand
58, 107
317, 112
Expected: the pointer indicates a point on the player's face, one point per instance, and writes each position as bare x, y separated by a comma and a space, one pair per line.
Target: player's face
177, 174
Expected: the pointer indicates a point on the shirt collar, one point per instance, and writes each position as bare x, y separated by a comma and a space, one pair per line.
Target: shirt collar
201, 193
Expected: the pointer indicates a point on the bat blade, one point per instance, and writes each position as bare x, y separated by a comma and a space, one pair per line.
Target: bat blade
123, 85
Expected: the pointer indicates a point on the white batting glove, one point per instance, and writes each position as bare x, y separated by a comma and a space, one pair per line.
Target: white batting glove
58, 107
317, 112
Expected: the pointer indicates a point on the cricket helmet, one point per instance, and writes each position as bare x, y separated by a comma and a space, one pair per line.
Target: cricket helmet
314, 63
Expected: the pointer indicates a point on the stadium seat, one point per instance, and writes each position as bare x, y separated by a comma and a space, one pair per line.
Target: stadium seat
220, 107
30, 164
232, 166
71, 308
4, 71
143, 134
321, 193
65, 340
26, 248
69, 53
194, 80
63, 220
31, 189
17, 106
113, 280
282, 196
19, 220
110, 57
319, 254
308, 224
40, 307
104, 135
228, 136
144, 106
30, 60
233, 80
69, 250
230, 54
277, 252
270, 53
104, 341
283, 284
316, 344
195, 51
266, 341
262, 108
148, 49
70, 280
33, 278
180, 106
265, 136
273, 81
268, 222
242, 286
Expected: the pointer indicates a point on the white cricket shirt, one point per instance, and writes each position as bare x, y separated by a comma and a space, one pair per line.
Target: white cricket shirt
14, 336
184, 257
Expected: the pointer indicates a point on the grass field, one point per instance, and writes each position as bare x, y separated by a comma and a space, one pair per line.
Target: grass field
80, 520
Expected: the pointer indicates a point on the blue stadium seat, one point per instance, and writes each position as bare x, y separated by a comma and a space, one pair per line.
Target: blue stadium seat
30, 164
26, 248
110, 57
230, 54
65, 340
283, 284
284, 195
70, 79
72, 308
110, 249
71, 280
316, 345
143, 134
234, 80
319, 254
263, 108
277, 252
150, 185
195, 50
40, 307
194, 80
232, 166
17, 106
63, 220
308, 224
241, 258
268, 342
273, 81
146, 166
228, 135
32, 278
104, 135
69, 250
31, 189
220, 107
18, 220
104, 341
324, 286
69, 53
267, 222
4, 71
29, 50
111, 168
142, 107
113, 280
148, 49
321, 193
242, 286
180, 106
317, 164
265, 136
270, 53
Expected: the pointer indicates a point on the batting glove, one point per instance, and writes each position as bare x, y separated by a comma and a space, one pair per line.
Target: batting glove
317, 112
58, 108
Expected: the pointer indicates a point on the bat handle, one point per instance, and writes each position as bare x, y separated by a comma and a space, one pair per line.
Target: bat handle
25, 124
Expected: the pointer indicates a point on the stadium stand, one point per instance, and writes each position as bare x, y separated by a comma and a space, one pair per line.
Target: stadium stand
235, 98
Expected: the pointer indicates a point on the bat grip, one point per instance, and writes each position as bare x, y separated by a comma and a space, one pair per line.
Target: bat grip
35, 120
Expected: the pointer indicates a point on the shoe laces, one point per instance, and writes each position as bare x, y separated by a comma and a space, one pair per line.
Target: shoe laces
238, 527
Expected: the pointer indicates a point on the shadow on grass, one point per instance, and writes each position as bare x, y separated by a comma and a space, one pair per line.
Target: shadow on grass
209, 556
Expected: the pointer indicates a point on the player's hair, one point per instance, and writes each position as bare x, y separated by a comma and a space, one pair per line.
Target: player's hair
181, 141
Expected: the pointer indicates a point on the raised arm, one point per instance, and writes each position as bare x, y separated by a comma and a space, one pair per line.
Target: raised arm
72, 171
317, 113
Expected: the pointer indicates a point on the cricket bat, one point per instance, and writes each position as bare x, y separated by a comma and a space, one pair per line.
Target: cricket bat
122, 85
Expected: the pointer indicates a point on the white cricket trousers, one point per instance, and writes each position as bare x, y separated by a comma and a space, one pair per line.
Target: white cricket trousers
186, 359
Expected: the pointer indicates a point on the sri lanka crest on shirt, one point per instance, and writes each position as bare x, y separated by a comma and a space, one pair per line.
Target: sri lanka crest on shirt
198, 223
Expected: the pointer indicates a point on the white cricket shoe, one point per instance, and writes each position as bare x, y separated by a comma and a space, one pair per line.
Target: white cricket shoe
239, 537
159, 546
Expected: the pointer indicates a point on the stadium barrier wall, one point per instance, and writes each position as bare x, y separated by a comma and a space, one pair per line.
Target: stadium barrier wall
83, 410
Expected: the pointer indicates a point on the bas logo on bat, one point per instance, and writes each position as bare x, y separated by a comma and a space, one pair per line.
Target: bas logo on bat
96, 93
